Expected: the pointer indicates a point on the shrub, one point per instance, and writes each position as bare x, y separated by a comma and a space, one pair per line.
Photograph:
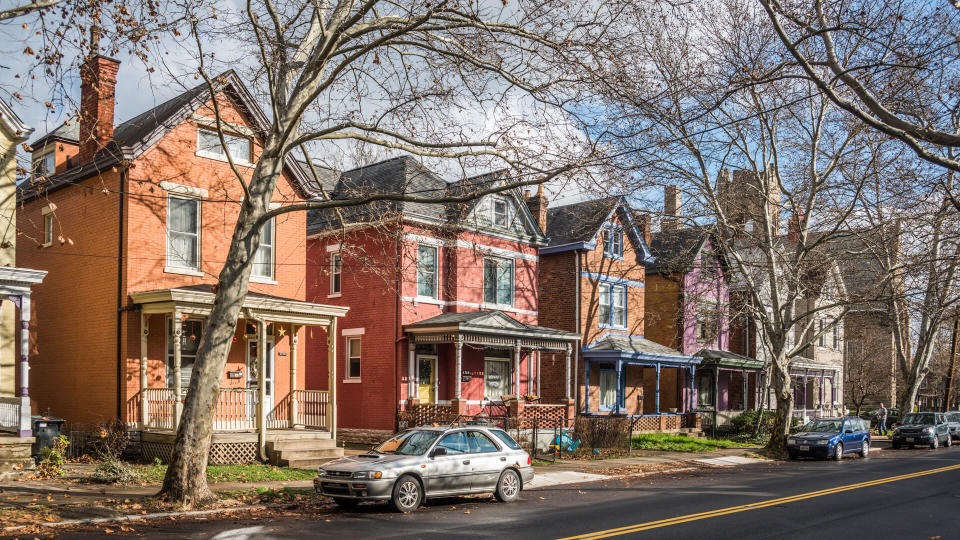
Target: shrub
53, 457
114, 471
110, 439
744, 424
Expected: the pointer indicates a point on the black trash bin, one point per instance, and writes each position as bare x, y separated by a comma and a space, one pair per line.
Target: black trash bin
45, 430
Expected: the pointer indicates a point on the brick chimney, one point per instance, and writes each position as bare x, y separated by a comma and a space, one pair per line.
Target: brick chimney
793, 227
98, 82
538, 207
672, 199
642, 220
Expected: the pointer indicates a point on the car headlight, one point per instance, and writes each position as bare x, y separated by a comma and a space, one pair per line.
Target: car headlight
823, 442
372, 475
928, 431
791, 441
321, 472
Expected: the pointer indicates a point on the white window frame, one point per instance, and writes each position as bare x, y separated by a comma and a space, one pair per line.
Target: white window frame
41, 160
436, 271
47, 214
349, 358
836, 337
607, 293
496, 288
179, 268
336, 270
601, 386
271, 277
506, 212
245, 161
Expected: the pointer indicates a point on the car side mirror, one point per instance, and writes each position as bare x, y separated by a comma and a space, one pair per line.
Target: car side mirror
438, 452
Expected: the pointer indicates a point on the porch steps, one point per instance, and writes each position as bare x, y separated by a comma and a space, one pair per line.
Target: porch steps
15, 460
303, 450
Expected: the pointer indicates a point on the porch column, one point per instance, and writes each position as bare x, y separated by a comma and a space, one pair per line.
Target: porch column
693, 379
586, 383
332, 374
177, 390
25, 428
411, 369
804, 379
458, 355
144, 342
516, 369
821, 389
530, 389
657, 400
538, 373
294, 405
262, 388
566, 386
620, 381
746, 391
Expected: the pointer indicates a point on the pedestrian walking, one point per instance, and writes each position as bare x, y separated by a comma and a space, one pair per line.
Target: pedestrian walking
882, 420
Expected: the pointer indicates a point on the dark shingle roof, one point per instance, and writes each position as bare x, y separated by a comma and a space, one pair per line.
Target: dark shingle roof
67, 131
636, 346
675, 250
578, 222
489, 322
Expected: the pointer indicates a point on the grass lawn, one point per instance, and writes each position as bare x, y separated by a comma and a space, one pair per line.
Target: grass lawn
235, 473
680, 443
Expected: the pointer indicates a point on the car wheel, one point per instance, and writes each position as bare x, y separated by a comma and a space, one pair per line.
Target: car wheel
508, 487
793, 455
407, 494
936, 443
838, 454
346, 504
865, 448
948, 442
895, 446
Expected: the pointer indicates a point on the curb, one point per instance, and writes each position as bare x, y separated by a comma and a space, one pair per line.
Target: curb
137, 517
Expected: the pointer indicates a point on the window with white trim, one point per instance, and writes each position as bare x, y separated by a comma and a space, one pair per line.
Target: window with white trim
44, 165
612, 305
353, 358
208, 145
336, 265
48, 229
427, 271
836, 337
608, 390
263, 259
613, 241
501, 212
498, 281
183, 232
822, 341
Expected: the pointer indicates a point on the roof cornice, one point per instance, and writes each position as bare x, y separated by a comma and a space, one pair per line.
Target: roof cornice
12, 123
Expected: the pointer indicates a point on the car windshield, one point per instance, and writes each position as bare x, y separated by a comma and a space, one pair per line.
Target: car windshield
823, 426
415, 442
917, 418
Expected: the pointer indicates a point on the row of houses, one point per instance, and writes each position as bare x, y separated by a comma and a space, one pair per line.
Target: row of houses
360, 320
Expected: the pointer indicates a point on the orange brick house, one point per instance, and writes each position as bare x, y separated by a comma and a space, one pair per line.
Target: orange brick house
132, 223
593, 275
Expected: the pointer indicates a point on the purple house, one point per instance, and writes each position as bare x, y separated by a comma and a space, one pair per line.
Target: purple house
687, 308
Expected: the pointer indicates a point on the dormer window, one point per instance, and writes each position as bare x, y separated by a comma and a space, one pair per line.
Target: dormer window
208, 145
613, 242
501, 217
44, 165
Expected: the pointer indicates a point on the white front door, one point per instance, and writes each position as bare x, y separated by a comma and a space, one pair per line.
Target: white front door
253, 375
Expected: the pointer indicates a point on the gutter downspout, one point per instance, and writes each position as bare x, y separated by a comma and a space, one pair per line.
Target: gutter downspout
579, 351
120, 298
396, 342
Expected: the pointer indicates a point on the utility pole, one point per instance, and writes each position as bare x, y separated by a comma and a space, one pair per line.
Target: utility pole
954, 345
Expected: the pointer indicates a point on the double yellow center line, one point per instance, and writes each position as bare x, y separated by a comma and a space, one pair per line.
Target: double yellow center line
755, 506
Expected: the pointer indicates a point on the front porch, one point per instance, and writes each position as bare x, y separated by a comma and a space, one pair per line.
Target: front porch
815, 390
727, 385
485, 364
630, 376
261, 390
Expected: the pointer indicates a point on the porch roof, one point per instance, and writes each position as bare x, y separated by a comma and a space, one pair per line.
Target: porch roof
727, 359
636, 349
19, 280
198, 300
800, 363
494, 328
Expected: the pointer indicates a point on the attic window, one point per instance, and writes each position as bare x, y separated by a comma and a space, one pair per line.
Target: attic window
613, 242
208, 145
500, 212
44, 165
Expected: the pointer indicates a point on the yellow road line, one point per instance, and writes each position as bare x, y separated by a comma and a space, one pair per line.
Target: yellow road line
743, 508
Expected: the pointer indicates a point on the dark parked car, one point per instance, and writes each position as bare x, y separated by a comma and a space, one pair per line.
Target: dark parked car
922, 428
873, 416
831, 438
953, 422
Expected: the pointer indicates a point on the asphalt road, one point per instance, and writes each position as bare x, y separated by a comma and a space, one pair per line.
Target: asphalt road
893, 494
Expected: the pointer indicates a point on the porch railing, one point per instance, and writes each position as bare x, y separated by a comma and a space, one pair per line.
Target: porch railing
160, 404
9, 414
279, 417
312, 408
236, 409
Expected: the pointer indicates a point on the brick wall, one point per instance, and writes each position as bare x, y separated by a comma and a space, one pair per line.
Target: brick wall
663, 309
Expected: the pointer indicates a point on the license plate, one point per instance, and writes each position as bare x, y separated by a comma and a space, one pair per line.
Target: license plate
909, 439
804, 448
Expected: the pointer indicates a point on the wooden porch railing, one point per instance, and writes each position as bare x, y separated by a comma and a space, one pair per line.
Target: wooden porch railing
160, 403
236, 409
312, 408
279, 417
9, 414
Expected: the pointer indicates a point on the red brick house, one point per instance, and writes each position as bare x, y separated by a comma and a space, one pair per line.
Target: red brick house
443, 300
132, 223
593, 275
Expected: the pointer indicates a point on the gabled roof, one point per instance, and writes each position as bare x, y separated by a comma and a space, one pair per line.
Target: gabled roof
12, 123
727, 359
133, 137
68, 131
625, 347
487, 322
676, 250
577, 225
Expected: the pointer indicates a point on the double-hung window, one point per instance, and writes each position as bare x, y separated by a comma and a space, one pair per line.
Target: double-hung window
613, 242
183, 232
336, 265
353, 358
208, 145
44, 165
498, 281
836, 337
608, 390
427, 271
47, 226
264, 257
822, 341
501, 212
708, 266
612, 310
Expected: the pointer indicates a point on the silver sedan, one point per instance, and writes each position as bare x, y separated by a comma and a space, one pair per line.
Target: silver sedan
427, 462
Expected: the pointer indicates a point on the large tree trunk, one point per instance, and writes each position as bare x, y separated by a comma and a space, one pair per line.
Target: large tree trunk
186, 478
780, 378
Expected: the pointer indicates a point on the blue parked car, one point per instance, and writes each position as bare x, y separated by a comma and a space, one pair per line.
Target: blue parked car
831, 438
